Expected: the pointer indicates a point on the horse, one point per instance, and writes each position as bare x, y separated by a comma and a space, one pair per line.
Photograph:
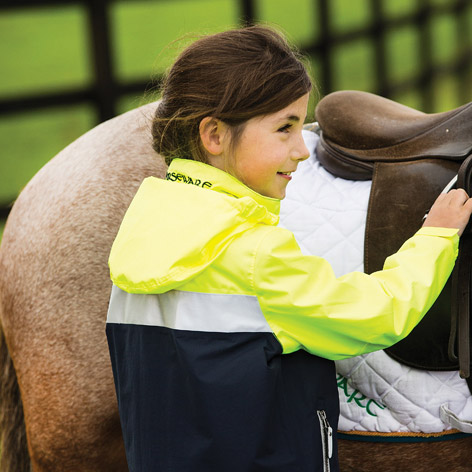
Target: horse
58, 408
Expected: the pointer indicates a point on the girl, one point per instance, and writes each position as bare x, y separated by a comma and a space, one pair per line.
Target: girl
222, 334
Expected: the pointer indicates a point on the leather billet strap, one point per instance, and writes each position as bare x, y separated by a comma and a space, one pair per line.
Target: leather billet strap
461, 285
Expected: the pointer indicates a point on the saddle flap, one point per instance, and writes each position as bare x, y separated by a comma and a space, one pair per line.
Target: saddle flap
401, 194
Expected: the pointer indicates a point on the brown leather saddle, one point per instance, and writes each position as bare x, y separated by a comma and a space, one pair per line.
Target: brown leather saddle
410, 157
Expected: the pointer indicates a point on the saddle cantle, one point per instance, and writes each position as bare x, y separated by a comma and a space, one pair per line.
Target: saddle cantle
410, 157
360, 129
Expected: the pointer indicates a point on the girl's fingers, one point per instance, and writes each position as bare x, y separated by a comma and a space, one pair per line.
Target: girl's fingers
450, 210
459, 194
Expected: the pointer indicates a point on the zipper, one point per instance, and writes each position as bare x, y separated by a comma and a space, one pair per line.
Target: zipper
326, 439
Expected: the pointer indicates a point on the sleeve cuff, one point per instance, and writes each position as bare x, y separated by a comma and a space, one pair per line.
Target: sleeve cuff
435, 231
450, 234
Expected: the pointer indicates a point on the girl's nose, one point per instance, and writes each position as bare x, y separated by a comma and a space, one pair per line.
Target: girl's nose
301, 152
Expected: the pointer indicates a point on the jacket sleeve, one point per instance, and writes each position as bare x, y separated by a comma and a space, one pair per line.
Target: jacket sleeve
309, 308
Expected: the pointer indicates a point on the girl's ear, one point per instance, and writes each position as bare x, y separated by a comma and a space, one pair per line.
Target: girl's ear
213, 133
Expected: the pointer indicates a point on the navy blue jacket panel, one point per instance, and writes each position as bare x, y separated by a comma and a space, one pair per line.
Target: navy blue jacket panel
204, 401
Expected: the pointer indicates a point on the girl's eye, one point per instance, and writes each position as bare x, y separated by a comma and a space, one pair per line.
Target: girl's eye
285, 128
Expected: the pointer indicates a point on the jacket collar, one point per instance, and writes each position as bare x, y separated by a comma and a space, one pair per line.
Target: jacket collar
206, 176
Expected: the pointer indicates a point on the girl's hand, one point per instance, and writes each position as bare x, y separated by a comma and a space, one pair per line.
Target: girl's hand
450, 210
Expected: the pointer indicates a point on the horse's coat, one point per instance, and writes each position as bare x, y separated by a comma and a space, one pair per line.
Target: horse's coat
54, 290
55, 287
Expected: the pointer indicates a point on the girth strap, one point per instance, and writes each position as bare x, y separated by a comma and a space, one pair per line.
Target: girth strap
461, 286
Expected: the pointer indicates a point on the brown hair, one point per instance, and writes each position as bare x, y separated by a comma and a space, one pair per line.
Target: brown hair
234, 76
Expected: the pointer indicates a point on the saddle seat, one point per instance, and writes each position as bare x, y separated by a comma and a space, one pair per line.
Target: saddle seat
410, 157
361, 128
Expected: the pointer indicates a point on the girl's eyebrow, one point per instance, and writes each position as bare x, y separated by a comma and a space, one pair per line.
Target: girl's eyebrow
290, 118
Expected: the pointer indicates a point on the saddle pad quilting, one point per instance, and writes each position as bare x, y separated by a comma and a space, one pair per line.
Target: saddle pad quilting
412, 398
327, 214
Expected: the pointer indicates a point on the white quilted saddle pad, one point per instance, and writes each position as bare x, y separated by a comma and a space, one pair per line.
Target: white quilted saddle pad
327, 214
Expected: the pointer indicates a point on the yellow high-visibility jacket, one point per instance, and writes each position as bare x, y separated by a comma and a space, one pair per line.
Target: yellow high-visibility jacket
215, 306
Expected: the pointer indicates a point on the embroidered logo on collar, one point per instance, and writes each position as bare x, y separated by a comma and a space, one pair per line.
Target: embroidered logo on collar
177, 177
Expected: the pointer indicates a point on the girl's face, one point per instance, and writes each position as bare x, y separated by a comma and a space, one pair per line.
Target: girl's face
269, 150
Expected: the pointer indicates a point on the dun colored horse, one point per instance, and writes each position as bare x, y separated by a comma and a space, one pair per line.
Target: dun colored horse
58, 406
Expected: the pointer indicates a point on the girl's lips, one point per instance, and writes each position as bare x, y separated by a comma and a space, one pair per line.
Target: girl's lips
286, 175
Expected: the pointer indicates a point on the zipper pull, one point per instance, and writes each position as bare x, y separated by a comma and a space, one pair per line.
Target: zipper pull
330, 441
328, 430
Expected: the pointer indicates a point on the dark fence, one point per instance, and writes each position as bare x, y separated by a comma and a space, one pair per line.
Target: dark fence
105, 90
377, 33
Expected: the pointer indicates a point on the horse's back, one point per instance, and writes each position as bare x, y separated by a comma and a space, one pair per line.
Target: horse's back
450, 455
54, 287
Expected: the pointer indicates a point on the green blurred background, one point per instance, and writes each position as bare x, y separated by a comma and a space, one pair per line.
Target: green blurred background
48, 49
